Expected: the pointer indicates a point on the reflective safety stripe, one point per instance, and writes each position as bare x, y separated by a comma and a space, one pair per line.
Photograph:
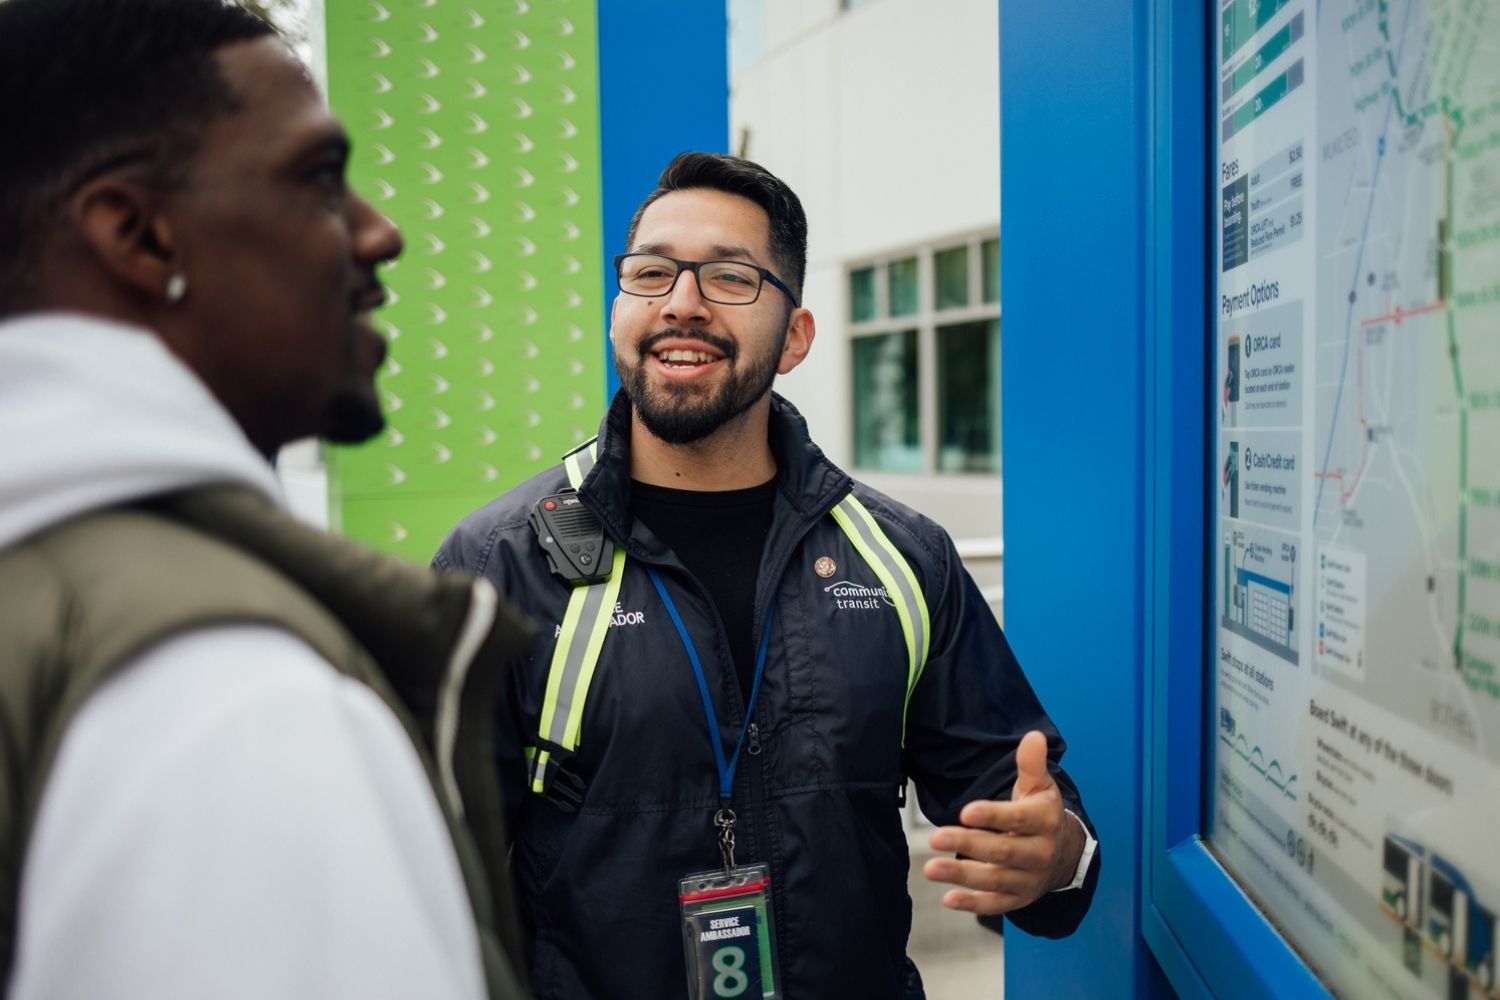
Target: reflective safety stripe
538, 768
590, 608
576, 654
577, 651
573, 661
580, 460
900, 582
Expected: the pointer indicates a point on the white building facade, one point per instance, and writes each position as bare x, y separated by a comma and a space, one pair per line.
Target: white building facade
883, 115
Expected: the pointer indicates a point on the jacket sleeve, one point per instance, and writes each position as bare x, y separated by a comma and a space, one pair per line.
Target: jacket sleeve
971, 706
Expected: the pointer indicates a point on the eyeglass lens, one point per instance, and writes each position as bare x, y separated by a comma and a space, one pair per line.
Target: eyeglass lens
725, 281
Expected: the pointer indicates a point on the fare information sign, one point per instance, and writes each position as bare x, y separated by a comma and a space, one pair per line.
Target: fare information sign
1355, 395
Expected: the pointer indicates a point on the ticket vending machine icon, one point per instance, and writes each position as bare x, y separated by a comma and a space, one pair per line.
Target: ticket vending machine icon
1232, 383
1231, 484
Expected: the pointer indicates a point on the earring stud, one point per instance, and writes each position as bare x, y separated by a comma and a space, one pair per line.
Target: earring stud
176, 288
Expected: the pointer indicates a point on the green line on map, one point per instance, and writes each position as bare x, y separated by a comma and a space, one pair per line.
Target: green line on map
1463, 427
1455, 121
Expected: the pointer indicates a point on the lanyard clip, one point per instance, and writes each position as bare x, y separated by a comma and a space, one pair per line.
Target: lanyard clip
724, 820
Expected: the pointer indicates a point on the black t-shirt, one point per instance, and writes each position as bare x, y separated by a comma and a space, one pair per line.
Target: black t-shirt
719, 536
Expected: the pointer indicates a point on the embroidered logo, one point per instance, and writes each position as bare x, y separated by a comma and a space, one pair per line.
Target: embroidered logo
850, 596
825, 567
620, 617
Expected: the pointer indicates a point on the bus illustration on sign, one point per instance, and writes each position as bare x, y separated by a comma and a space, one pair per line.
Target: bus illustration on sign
1438, 909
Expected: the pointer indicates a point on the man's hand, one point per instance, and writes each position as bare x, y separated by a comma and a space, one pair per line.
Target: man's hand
1012, 852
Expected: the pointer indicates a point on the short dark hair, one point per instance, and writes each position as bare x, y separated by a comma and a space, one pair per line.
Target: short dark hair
718, 172
87, 85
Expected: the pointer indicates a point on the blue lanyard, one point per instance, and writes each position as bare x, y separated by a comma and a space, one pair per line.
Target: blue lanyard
726, 768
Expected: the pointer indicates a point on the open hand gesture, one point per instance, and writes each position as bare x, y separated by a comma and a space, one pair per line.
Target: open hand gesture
1010, 853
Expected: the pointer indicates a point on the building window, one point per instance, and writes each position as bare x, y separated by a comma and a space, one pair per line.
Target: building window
885, 403
925, 333
862, 294
952, 269
902, 278
968, 396
990, 269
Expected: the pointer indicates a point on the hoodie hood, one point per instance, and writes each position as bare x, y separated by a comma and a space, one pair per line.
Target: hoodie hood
95, 413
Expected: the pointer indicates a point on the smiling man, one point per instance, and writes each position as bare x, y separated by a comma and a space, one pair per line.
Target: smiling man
751, 653
225, 769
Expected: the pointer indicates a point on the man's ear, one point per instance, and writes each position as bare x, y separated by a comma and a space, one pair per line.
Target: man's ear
799, 337
614, 311
120, 223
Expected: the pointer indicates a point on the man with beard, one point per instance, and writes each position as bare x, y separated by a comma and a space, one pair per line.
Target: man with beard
751, 654
237, 751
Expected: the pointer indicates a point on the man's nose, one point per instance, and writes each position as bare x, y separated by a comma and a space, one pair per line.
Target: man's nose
685, 302
376, 237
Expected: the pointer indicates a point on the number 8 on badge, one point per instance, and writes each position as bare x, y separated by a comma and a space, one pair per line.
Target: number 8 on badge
729, 963
728, 938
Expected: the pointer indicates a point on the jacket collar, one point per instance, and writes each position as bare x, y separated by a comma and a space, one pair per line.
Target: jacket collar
807, 481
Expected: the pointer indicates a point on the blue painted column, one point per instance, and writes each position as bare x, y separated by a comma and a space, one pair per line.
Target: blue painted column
1075, 115
643, 43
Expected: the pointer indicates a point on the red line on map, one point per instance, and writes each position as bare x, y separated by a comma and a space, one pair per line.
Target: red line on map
1395, 316
1398, 314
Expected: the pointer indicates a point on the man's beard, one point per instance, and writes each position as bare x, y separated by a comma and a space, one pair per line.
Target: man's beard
683, 414
353, 417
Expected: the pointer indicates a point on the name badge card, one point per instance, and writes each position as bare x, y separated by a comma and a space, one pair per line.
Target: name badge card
728, 935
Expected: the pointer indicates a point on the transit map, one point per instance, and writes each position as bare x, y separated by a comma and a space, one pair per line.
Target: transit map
1356, 536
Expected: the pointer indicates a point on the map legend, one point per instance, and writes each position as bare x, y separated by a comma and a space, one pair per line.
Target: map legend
1341, 612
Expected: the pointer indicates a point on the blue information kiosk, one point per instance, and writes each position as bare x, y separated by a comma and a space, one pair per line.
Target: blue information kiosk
1252, 458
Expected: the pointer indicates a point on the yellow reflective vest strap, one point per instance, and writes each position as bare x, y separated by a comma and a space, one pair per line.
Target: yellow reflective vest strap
579, 641
900, 583
580, 460
590, 608
571, 672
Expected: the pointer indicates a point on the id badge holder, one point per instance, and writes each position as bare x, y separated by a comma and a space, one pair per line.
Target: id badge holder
728, 934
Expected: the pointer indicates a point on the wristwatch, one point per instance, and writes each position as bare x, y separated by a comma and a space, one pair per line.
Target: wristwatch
1085, 858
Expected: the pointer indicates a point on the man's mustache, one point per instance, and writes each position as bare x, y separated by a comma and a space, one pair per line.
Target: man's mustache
723, 345
369, 296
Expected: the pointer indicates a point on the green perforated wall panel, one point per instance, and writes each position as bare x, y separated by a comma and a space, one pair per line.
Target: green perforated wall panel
475, 127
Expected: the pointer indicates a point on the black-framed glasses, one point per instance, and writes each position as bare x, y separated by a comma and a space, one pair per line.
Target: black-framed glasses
727, 282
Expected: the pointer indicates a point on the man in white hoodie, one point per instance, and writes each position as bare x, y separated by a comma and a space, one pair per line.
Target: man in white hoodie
234, 762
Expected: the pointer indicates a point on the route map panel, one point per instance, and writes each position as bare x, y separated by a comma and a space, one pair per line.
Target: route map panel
1355, 537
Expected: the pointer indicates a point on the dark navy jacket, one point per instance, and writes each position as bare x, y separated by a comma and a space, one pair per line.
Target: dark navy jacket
817, 800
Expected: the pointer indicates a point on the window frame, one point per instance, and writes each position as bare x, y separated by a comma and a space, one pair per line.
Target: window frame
1211, 939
